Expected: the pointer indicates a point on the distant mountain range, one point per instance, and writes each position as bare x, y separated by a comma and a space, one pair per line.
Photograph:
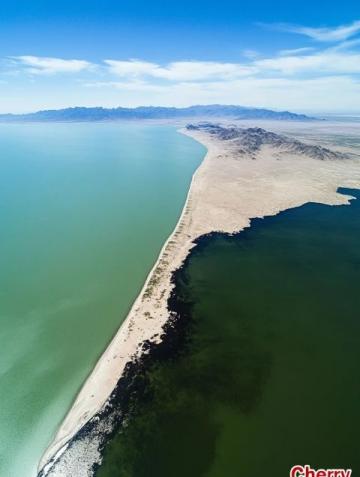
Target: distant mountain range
153, 112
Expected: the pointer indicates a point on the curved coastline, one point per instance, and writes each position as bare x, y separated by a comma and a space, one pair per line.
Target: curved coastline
224, 195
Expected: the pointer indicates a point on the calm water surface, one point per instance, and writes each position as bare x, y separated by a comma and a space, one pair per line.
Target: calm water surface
267, 374
84, 211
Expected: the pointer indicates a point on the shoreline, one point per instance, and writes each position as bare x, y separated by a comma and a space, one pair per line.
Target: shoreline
63, 436
175, 347
133, 382
224, 195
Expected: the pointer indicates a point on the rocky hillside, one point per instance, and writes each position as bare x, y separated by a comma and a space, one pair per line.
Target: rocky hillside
250, 141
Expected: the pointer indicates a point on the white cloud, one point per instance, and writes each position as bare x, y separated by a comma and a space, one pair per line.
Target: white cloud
339, 33
179, 70
325, 62
346, 45
45, 65
203, 70
286, 63
131, 67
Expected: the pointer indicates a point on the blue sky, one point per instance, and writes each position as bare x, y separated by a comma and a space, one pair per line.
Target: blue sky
303, 56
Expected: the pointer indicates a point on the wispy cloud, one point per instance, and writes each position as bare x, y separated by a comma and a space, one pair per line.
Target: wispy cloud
45, 65
296, 51
302, 61
346, 45
323, 34
131, 67
179, 70
317, 64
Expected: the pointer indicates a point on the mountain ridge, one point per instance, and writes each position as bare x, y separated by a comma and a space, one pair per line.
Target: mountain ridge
154, 112
249, 141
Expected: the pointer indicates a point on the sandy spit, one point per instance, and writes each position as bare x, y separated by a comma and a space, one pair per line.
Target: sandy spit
226, 192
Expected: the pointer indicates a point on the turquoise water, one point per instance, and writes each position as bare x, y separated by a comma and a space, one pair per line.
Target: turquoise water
264, 371
84, 211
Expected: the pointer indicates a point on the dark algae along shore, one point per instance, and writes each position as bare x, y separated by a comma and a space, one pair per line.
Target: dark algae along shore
260, 370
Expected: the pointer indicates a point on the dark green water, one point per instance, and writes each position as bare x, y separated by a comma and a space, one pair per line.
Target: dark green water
268, 374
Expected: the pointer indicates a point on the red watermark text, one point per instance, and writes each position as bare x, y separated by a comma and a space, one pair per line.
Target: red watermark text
307, 471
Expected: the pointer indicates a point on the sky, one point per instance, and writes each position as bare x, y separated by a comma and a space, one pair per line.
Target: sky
299, 56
